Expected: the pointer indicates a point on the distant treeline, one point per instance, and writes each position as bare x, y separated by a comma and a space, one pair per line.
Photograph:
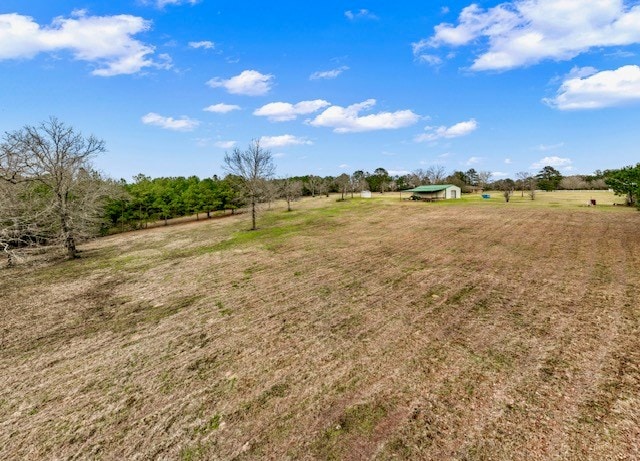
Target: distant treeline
147, 199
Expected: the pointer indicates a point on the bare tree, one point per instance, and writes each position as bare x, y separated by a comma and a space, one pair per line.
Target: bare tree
270, 192
253, 166
343, 183
419, 177
20, 210
436, 174
56, 158
532, 184
483, 178
523, 178
507, 186
323, 187
290, 190
573, 183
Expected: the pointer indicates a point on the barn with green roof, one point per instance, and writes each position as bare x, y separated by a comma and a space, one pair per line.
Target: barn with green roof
435, 192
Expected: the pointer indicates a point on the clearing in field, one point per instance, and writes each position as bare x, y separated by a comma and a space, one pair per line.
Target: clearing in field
367, 329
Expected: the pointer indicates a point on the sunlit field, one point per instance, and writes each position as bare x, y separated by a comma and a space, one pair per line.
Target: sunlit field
367, 329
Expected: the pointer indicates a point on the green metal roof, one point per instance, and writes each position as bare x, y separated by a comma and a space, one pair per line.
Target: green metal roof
432, 188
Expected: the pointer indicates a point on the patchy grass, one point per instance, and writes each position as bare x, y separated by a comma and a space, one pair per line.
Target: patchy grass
364, 329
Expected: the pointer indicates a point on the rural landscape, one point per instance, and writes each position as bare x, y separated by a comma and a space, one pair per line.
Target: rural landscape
340, 327
320, 230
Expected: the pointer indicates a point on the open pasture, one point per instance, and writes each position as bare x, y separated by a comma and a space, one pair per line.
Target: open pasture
366, 329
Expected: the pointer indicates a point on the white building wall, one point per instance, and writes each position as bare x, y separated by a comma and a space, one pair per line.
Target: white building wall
453, 192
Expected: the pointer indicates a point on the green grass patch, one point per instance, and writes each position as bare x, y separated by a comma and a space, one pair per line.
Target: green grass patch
358, 420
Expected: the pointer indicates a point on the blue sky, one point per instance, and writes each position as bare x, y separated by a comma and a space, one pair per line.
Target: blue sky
331, 87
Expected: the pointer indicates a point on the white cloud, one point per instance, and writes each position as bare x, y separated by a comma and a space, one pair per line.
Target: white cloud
499, 174
343, 166
221, 108
225, 144
553, 161
106, 41
430, 59
508, 161
284, 111
608, 88
454, 131
524, 32
206, 44
183, 123
328, 74
399, 172
282, 141
248, 82
360, 14
279, 155
349, 120
473, 161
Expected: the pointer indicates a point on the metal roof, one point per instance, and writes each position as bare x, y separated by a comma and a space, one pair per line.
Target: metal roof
432, 188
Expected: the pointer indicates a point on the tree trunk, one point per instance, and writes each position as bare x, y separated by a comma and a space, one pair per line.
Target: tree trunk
69, 241
72, 252
253, 214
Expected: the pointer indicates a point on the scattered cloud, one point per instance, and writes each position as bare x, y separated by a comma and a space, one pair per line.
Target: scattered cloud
520, 33
225, 144
328, 74
105, 41
248, 82
284, 111
444, 10
279, 155
508, 161
556, 162
454, 131
399, 172
162, 3
499, 174
608, 88
360, 14
206, 44
343, 166
282, 141
547, 147
221, 108
431, 59
473, 161
348, 119
183, 123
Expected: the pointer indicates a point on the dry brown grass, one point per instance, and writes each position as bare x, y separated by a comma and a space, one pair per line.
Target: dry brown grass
361, 330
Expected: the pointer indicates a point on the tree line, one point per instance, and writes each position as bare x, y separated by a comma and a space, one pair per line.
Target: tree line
50, 193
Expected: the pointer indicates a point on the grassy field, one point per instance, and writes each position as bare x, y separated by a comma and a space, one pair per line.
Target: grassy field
367, 329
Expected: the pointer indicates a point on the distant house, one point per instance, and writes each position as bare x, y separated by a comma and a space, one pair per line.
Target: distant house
435, 192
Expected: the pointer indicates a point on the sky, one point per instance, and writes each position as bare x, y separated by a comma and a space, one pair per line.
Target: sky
330, 87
